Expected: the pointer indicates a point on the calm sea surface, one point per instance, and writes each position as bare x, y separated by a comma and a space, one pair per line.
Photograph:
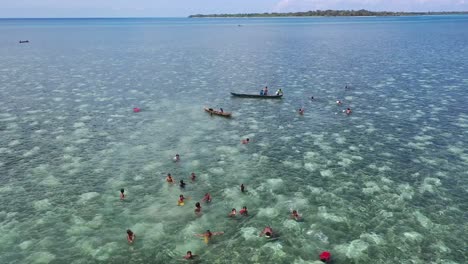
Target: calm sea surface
387, 184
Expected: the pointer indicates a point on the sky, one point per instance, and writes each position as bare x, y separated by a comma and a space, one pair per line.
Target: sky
183, 8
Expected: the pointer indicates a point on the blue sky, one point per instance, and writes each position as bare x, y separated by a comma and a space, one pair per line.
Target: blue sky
181, 8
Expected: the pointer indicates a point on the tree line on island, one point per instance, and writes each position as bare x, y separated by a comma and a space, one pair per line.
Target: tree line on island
332, 13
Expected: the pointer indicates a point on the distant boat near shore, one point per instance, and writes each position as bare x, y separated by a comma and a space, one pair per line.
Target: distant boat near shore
24, 41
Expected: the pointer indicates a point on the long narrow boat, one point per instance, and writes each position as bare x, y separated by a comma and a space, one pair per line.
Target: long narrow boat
214, 112
257, 96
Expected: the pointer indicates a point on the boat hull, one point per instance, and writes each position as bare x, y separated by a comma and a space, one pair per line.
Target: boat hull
257, 96
214, 112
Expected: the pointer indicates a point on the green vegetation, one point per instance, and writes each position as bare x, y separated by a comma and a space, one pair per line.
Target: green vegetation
361, 12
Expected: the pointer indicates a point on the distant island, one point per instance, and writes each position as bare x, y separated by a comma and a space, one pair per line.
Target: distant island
333, 13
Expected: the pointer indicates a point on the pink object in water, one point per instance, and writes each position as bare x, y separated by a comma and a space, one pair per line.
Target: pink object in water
136, 109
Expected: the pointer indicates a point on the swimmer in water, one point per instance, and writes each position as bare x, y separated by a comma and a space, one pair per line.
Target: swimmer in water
130, 236
295, 215
189, 255
232, 213
177, 158
181, 200
122, 195
311, 98
246, 141
338, 102
207, 198
244, 211
208, 234
325, 256
182, 184
301, 111
242, 188
348, 111
197, 208
267, 231
193, 176
169, 178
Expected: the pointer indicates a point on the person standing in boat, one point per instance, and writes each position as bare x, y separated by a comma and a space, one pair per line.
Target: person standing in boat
265, 91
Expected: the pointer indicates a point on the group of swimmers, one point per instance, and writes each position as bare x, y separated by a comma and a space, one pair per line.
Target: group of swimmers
325, 256
348, 110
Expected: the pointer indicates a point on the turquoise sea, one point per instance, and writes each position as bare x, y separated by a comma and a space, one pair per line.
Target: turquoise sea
387, 184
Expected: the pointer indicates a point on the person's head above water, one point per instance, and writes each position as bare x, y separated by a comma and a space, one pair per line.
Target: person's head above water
122, 190
267, 234
129, 232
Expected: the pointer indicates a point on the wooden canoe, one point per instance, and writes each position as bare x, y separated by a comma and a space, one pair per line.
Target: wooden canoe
214, 112
257, 96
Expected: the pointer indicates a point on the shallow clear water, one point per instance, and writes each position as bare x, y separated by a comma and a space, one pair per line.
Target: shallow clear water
387, 184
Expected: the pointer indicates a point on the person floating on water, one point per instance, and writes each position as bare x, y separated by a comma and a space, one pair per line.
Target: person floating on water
189, 255
182, 184
295, 215
245, 141
169, 178
325, 256
181, 200
130, 236
207, 198
279, 92
244, 211
177, 158
208, 234
233, 212
122, 195
348, 111
301, 111
242, 187
193, 176
267, 231
197, 208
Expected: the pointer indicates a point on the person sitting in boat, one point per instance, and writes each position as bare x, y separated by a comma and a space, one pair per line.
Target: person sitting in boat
261, 92
211, 109
279, 92
265, 91
221, 110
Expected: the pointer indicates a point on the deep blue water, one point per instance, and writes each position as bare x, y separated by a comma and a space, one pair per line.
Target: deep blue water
387, 184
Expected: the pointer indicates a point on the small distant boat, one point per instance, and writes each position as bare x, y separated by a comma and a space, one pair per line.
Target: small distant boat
257, 96
24, 41
214, 112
